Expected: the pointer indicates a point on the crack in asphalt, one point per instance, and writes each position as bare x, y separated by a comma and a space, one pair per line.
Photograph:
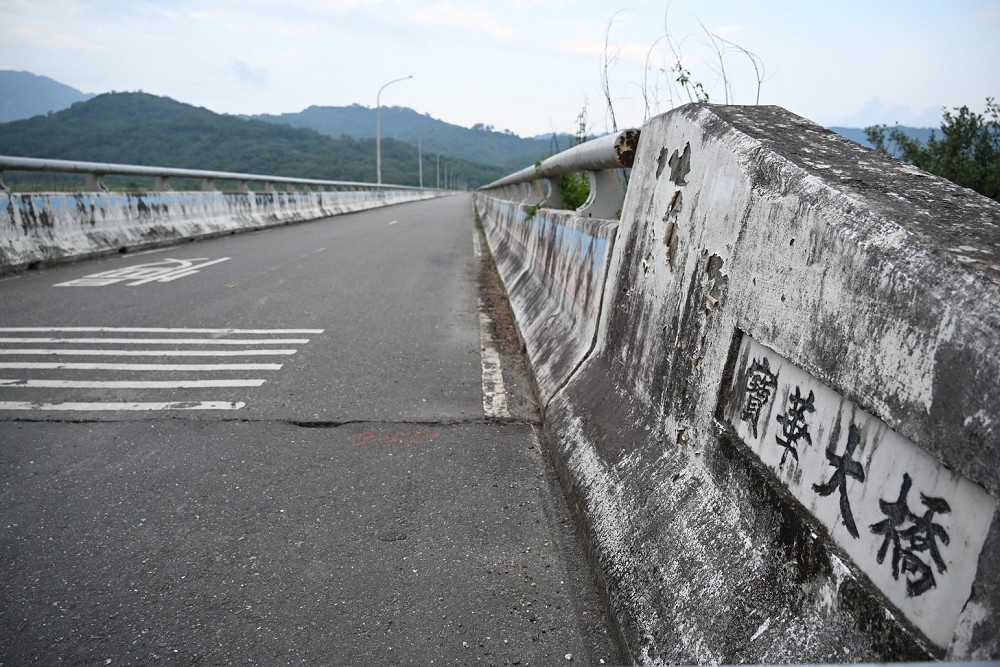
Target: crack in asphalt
300, 423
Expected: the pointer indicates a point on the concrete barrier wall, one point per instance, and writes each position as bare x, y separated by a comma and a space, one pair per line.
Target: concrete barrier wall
554, 266
42, 228
783, 445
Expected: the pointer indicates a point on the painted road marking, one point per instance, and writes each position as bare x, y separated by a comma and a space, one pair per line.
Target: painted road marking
163, 271
144, 353
79, 366
127, 384
60, 361
115, 407
393, 222
220, 332
161, 341
477, 245
494, 392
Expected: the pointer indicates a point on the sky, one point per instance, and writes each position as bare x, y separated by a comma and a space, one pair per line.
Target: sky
527, 66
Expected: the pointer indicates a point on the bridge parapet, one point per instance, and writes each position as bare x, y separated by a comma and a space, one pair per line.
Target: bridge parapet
38, 228
783, 430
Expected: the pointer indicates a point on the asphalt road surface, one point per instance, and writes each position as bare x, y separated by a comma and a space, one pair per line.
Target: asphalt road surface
271, 449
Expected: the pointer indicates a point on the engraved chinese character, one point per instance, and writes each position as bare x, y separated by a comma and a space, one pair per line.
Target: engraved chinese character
793, 424
845, 466
761, 383
922, 535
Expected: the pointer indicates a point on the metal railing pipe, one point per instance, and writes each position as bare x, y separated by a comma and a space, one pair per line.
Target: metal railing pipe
97, 171
614, 151
601, 159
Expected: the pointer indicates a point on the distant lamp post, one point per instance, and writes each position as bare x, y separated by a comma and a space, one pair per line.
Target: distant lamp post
378, 127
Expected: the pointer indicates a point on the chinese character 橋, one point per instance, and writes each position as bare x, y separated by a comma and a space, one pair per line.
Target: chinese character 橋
793, 424
921, 535
760, 384
845, 466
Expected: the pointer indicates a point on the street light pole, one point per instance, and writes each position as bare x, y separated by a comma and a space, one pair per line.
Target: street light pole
378, 127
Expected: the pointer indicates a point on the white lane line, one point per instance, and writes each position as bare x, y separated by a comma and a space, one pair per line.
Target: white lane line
114, 407
494, 392
237, 332
126, 384
77, 366
161, 341
144, 353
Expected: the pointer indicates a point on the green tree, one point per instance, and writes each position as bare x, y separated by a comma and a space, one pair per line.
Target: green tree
575, 188
968, 152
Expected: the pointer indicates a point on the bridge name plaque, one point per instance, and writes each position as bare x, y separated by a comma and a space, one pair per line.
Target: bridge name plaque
913, 526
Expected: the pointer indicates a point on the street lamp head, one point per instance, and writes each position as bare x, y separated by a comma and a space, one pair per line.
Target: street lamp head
378, 128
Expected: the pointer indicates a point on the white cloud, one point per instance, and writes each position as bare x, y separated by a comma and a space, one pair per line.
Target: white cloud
592, 47
40, 36
462, 19
255, 76
877, 112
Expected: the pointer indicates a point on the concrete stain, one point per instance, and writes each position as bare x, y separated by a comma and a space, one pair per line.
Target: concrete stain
839, 260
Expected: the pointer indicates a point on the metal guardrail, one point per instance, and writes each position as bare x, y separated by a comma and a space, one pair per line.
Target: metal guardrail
602, 159
97, 171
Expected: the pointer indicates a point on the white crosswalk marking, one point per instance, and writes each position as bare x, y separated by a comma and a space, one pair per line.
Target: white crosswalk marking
41, 365
156, 341
175, 330
127, 384
42, 352
54, 366
116, 407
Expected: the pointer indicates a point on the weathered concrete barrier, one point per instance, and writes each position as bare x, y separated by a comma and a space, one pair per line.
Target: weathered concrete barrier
49, 227
554, 265
43, 228
783, 445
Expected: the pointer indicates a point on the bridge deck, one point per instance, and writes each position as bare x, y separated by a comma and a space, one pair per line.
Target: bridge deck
272, 448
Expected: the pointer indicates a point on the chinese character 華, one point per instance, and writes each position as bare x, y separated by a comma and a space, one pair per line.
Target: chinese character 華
793, 424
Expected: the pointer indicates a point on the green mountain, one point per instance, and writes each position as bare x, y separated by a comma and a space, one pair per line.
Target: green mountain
23, 95
481, 143
142, 129
921, 134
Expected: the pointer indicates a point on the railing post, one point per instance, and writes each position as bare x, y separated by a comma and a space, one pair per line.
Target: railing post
162, 184
95, 182
603, 160
208, 185
243, 187
554, 198
607, 195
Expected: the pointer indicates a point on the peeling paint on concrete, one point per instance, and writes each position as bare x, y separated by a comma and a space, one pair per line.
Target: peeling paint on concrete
553, 263
875, 280
41, 228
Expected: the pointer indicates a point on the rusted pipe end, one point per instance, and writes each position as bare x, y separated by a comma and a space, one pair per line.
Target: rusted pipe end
625, 147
